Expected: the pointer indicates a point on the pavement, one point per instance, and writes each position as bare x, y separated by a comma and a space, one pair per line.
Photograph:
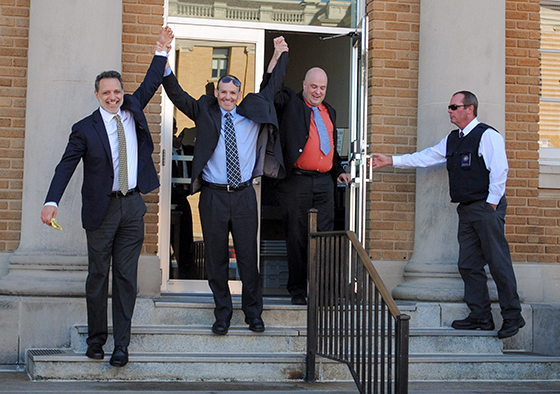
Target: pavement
18, 382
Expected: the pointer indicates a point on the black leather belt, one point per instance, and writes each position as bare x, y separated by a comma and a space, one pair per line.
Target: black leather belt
298, 171
471, 202
226, 188
118, 194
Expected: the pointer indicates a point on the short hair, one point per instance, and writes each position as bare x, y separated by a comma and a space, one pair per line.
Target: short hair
108, 74
229, 78
469, 99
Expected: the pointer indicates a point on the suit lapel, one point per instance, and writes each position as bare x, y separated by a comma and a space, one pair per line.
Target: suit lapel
99, 127
216, 114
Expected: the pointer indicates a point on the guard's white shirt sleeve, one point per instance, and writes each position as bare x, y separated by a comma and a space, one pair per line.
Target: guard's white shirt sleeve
425, 158
492, 149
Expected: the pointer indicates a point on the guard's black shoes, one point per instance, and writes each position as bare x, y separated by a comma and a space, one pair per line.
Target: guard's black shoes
220, 327
95, 351
119, 357
299, 300
255, 324
473, 324
510, 327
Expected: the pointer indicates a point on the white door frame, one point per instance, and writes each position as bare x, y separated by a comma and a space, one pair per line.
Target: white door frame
213, 30
358, 160
204, 33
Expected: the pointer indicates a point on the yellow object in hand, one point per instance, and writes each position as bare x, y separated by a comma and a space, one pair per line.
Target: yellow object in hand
55, 225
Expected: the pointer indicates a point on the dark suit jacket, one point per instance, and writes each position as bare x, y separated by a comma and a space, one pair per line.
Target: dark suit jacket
89, 142
295, 119
258, 107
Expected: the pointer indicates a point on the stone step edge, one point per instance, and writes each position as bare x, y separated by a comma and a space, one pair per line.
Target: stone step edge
286, 331
203, 330
510, 358
70, 356
209, 304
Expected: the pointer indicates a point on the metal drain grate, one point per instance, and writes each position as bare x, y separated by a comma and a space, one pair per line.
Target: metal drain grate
45, 352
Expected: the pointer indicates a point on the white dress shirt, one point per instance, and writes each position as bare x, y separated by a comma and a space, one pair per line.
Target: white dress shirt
492, 149
131, 145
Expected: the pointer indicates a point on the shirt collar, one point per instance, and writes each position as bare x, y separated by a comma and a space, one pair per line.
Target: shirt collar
108, 117
470, 126
321, 106
233, 112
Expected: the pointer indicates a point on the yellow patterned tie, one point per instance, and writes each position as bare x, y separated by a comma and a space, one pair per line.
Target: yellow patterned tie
123, 169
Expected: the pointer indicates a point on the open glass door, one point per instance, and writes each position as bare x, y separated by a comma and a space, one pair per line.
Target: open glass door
358, 164
201, 55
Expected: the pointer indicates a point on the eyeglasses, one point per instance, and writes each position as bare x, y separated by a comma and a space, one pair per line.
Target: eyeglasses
453, 107
229, 79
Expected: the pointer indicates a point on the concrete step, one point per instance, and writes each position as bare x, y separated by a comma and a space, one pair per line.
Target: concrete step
277, 311
172, 340
195, 339
17, 381
427, 315
464, 367
66, 364
450, 341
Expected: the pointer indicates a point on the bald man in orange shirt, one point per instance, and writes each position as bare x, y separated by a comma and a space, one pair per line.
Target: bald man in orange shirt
313, 166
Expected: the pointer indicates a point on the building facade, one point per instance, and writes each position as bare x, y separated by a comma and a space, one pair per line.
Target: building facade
418, 54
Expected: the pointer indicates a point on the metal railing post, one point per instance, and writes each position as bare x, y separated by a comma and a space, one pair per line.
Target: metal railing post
401, 354
312, 298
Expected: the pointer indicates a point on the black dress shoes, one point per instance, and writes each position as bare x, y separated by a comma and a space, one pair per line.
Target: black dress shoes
119, 357
255, 324
220, 327
510, 327
299, 300
472, 324
95, 351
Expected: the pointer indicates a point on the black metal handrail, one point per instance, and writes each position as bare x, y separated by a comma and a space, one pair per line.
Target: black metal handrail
351, 316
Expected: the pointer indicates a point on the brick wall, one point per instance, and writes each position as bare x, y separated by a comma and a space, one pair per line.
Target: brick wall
524, 228
14, 32
533, 216
142, 20
393, 93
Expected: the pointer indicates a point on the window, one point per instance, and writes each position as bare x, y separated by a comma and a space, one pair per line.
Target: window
220, 62
549, 107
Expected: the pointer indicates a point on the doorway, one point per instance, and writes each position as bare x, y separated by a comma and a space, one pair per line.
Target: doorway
200, 55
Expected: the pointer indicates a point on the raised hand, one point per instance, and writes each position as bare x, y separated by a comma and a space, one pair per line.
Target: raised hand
280, 46
165, 39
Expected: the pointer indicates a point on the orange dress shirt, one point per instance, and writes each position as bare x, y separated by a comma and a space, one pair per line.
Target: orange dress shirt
312, 158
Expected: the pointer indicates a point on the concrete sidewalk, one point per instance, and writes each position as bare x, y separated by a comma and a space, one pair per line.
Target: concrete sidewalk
17, 382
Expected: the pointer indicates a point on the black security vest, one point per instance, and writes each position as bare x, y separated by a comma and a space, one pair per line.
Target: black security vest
468, 177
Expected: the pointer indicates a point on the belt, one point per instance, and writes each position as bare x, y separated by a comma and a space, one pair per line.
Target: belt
298, 171
471, 202
119, 194
226, 188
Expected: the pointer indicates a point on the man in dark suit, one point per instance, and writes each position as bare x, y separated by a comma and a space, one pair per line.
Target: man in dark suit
223, 173
313, 167
116, 147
